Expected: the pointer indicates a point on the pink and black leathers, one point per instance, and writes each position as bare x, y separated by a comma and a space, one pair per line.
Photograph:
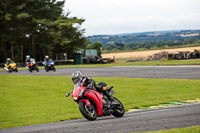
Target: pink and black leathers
93, 104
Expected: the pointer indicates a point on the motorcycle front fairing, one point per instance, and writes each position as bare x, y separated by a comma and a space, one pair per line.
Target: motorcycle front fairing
97, 98
12, 66
6, 67
80, 91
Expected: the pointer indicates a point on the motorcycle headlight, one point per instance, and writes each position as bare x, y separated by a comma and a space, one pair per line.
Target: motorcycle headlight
80, 93
75, 98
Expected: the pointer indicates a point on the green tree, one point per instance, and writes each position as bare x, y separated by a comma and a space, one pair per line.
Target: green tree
96, 45
37, 28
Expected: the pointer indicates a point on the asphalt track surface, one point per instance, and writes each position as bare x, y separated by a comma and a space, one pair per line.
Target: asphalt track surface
140, 121
167, 72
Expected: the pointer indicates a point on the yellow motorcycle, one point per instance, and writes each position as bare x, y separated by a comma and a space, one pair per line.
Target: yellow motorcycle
11, 67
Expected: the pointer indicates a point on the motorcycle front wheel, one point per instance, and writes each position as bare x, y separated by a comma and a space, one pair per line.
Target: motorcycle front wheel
118, 111
30, 70
89, 113
54, 69
37, 69
46, 69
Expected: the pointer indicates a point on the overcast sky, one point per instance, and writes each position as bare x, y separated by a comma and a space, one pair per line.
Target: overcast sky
130, 16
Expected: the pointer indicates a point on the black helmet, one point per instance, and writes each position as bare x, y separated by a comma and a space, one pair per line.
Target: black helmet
77, 77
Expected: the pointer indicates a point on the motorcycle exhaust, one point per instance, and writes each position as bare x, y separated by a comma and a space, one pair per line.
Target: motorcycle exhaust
6, 68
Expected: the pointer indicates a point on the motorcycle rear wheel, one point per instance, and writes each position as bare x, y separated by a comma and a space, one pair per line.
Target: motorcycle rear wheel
90, 114
16, 70
118, 111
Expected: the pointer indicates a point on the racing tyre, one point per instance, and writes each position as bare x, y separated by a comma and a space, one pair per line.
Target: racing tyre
46, 69
88, 113
16, 70
118, 111
36, 68
54, 69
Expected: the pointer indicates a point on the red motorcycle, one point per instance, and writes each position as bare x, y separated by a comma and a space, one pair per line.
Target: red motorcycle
93, 104
32, 66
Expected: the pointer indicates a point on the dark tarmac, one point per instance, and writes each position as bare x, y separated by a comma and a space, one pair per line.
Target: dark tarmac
139, 121
166, 72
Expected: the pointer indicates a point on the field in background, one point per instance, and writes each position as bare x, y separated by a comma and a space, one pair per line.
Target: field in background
144, 54
28, 100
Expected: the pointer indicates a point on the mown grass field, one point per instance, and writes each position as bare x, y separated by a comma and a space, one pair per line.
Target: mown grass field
28, 100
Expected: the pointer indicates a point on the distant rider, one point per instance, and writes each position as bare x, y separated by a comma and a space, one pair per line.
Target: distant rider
77, 77
46, 60
8, 62
28, 59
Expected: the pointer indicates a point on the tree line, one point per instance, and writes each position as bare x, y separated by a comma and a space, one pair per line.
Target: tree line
38, 28
146, 37
143, 45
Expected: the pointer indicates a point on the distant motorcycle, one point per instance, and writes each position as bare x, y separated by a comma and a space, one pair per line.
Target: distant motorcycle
11, 67
49, 66
93, 104
32, 66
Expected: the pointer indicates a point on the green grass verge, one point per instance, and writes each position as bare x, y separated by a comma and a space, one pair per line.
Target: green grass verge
149, 63
28, 100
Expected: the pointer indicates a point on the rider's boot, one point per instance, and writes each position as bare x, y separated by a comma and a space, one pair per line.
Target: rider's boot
110, 98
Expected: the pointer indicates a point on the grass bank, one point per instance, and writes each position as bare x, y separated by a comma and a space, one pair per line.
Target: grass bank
28, 100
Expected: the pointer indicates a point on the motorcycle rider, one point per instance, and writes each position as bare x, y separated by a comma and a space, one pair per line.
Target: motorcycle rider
8, 62
77, 77
28, 59
46, 60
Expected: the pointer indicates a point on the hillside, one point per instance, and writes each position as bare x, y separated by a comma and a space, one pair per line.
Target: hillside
147, 39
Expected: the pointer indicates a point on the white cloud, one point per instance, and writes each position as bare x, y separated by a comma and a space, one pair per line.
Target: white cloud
127, 16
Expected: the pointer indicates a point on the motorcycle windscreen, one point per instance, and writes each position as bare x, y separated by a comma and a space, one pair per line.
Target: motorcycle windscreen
76, 86
111, 92
77, 89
